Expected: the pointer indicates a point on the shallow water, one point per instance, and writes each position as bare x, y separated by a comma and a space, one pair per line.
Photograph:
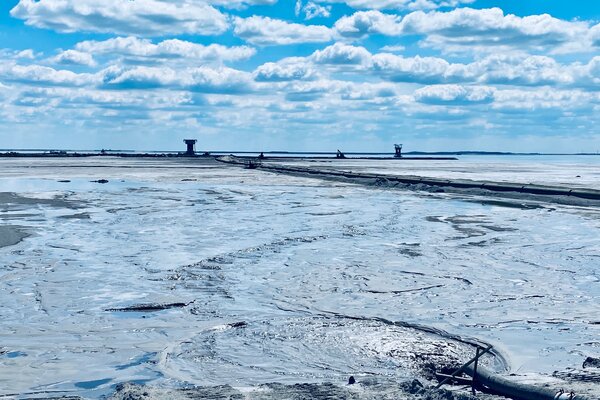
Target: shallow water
274, 278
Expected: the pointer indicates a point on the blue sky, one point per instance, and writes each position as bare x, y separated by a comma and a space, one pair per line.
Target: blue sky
359, 75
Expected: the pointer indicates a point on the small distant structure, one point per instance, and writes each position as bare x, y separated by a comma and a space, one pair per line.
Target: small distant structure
261, 155
339, 154
253, 164
191, 146
398, 148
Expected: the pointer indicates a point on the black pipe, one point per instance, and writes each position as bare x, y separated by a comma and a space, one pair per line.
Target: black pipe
516, 390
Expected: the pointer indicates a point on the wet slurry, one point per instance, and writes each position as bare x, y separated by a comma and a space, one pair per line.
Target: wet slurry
206, 274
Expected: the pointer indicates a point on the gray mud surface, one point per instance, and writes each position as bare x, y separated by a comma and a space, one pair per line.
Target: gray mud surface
195, 278
13, 201
11, 235
12, 205
367, 390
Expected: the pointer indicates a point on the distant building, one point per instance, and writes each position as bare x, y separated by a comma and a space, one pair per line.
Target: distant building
191, 146
398, 149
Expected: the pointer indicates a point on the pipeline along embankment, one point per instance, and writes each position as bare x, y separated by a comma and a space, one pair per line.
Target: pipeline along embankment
545, 193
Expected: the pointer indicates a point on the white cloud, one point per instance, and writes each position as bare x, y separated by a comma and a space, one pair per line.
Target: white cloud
23, 55
527, 101
500, 69
368, 91
298, 8
285, 70
411, 69
393, 48
519, 70
267, 31
201, 79
490, 28
168, 49
221, 80
5, 92
74, 57
312, 10
363, 23
38, 75
312, 91
139, 17
455, 95
141, 77
82, 98
27, 54
595, 35
589, 74
340, 53
399, 4
481, 30
240, 4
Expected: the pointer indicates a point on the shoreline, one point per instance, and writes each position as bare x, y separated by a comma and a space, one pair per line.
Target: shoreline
289, 157
269, 154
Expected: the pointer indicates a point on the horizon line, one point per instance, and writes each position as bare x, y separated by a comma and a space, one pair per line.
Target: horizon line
225, 152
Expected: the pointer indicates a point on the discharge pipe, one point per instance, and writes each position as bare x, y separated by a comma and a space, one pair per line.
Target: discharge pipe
516, 390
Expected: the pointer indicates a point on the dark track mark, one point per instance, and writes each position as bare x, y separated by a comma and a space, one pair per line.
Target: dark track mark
148, 307
506, 204
404, 291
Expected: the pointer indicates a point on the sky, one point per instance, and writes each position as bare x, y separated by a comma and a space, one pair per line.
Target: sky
300, 75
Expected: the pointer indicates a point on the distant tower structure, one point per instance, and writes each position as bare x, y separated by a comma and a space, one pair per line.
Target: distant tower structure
398, 148
191, 146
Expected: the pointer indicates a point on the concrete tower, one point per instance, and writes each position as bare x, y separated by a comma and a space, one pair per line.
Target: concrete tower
191, 144
398, 149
